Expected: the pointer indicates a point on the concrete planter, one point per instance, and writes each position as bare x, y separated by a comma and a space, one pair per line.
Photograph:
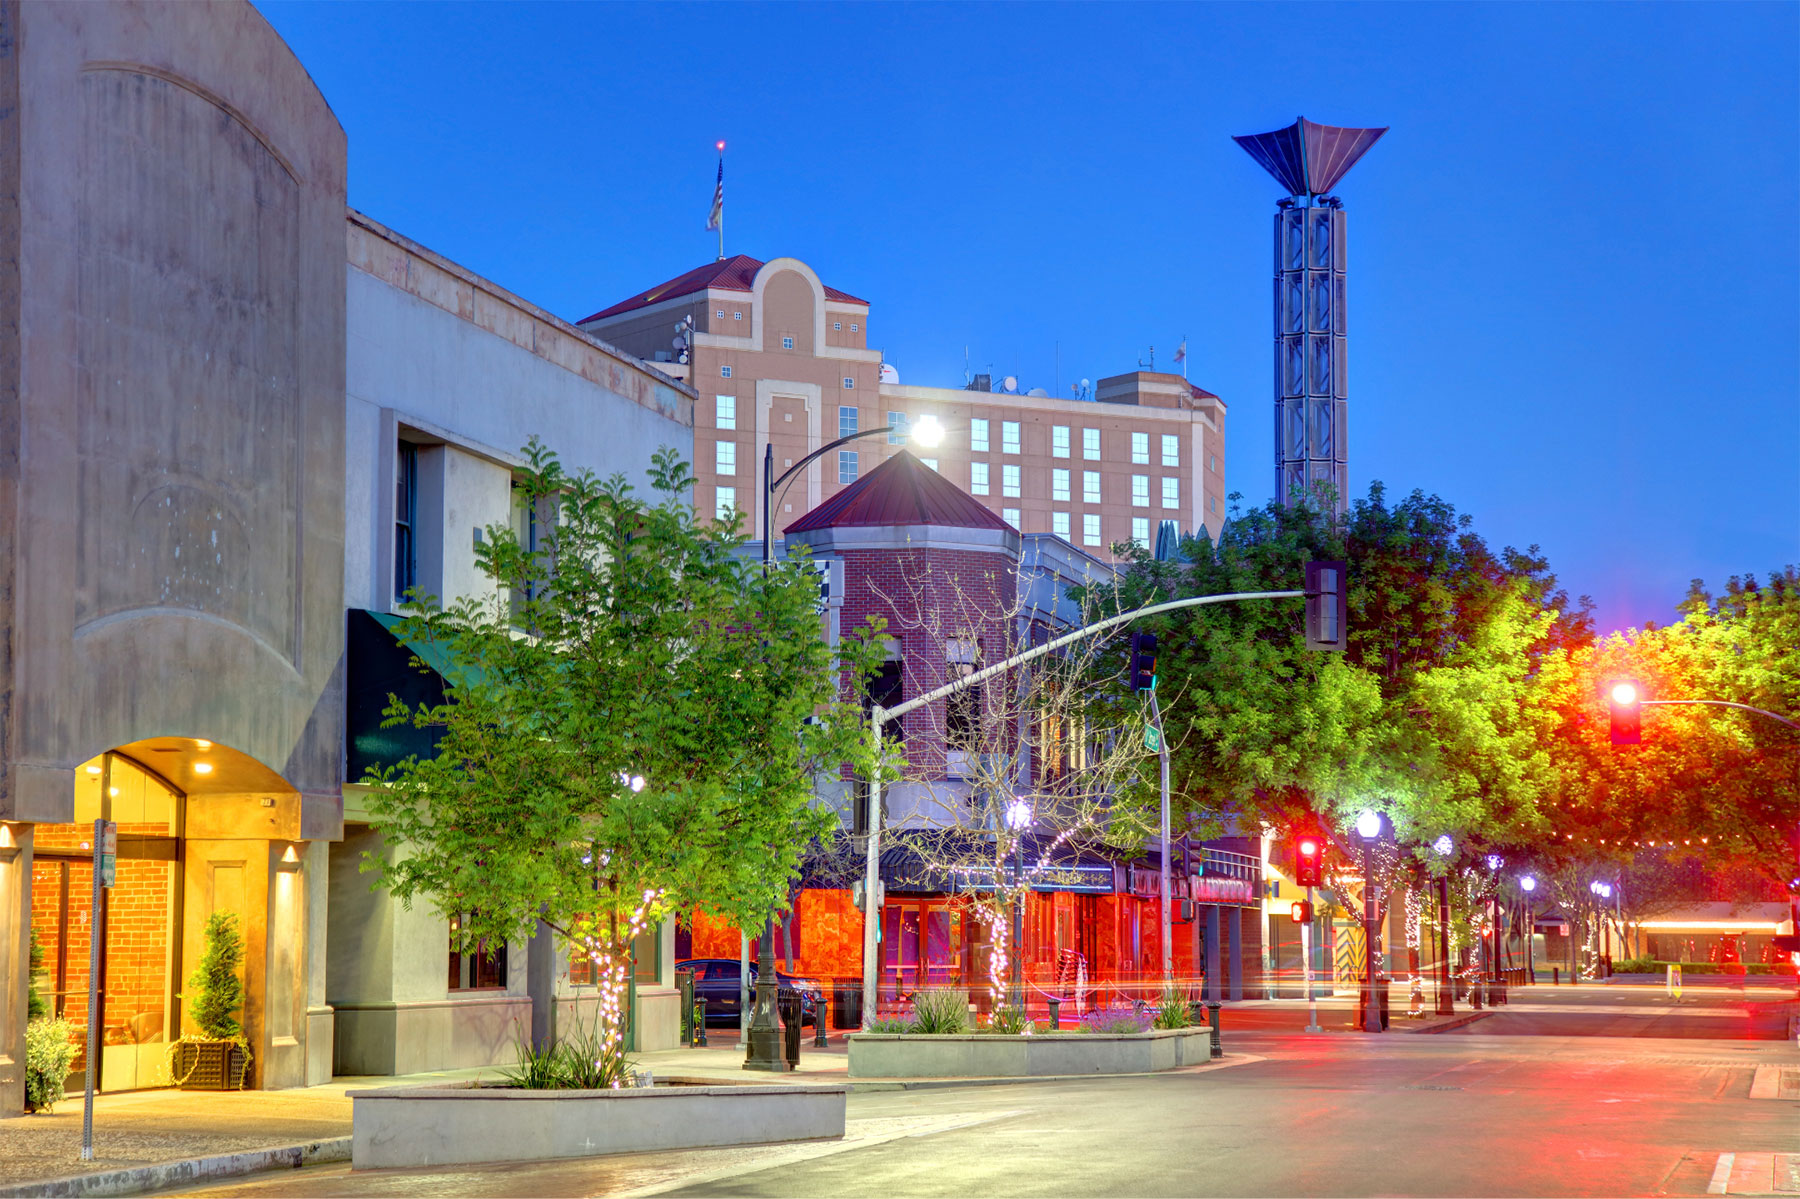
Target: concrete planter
451, 1125
979, 1055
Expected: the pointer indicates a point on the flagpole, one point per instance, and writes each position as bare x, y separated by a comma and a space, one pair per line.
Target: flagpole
721, 201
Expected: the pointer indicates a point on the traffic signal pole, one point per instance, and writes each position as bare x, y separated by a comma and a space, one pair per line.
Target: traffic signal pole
1312, 1000
1168, 927
879, 715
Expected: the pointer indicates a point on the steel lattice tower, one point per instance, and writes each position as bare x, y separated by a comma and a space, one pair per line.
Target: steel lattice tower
1311, 379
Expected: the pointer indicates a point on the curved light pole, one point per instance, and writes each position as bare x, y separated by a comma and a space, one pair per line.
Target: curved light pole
763, 1048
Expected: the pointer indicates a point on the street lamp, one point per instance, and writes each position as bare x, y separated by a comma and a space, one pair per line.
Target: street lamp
1494, 862
1018, 819
1368, 827
763, 1051
1528, 884
1446, 991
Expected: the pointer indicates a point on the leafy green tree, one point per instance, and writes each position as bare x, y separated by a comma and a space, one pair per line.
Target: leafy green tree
632, 728
216, 989
35, 1007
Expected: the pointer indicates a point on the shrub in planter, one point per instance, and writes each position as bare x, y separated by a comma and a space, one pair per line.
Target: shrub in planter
219, 1058
1172, 1010
941, 1011
892, 1024
1117, 1020
50, 1050
1010, 1022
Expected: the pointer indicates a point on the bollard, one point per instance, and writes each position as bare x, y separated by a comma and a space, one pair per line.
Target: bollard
1556, 976
1475, 993
788, 1008
1055, 1012
821, 1010
699, 1023
1212, 1015
684, 986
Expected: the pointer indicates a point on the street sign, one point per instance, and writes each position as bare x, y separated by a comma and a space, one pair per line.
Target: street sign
1152, 739
109, 853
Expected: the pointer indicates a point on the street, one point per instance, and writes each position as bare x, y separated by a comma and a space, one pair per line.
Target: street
1600, 1108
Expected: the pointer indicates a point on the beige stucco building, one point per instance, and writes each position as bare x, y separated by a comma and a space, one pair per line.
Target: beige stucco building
776, 357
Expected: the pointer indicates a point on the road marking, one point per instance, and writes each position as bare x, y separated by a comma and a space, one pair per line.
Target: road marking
1721, 1174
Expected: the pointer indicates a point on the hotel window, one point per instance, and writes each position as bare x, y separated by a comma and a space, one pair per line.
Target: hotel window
978, 435
837, 326
1059, 485
1009, 482
725, 458
1171, 450
721, 314
1010, 516
1059, 524
737, 316
1212, 502
725, 408
1009, 437
1140, 449
849, 382
846, 419
1090, 444
1090, 487
1090, 529
724, 502
1059, 441
1171, 493
852, 326
477, 968
846, 466
978, 478
787, 343
406, 487
931, 462
724, 372
1140, 491
1212, 462
897, 428
1140, 530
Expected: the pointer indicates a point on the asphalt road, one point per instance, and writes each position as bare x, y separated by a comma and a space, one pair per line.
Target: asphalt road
1465, 1113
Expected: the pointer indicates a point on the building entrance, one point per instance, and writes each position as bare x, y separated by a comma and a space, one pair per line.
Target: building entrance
140, 958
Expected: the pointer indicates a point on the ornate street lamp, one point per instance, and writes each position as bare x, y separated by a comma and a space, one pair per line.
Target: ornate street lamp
1368, 827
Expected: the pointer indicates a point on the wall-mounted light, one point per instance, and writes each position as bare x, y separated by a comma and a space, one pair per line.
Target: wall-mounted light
9, 847
202, 745
202, 767
290, 860
93, 770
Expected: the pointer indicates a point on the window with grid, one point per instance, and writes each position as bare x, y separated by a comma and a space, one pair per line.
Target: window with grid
1009, 437
1059, 485
1090, 529
1140, 530
846, 419
1009, 481
724, 372
406, 486
787, 343
978, 478
978, 435
1140, 449
846, 466
1171, 493
1171, 450
725, 412
1090, 487
725, 458
724, 502
1059, 441
1090, 444
1140, 491
1059, 524
897, 428
849, 382
1010, 516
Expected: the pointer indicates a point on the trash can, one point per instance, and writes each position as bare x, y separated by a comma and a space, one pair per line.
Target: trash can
1383, 986
788, 1004
684, 983
846, 1005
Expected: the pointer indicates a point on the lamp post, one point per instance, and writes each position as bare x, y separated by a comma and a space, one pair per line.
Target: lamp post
1528, 884
763, 1051
1494, 863
1368, 827
1018, 819
1446, 992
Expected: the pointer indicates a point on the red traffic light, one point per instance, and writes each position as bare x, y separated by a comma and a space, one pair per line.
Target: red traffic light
1143, 661
1625, 713
1301, 911
1309, 848
1309, 861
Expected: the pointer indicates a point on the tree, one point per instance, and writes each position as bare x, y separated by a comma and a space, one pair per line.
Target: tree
631, 729
217, 987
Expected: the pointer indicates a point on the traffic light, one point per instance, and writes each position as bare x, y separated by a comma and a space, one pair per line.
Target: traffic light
1301, 911
1327, 606
1309, 860
1143, 661
1622, 703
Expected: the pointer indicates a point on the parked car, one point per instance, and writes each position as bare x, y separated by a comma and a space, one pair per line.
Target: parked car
716, 984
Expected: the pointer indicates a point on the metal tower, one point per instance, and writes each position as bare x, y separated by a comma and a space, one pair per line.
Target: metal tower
1311, 380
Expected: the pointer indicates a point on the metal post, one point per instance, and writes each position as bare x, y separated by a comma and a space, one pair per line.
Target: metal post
1212, 1016
1312, 1000
1234, 969
1168, 928
1015, 991
96, 936
871, 878
1446, 991
1371, 1003
1213, 959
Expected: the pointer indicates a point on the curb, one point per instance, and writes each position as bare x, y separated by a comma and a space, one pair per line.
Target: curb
137, 1179
1453, 1022
939, 1084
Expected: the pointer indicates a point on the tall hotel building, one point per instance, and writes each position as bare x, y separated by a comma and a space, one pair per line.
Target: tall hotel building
777, 357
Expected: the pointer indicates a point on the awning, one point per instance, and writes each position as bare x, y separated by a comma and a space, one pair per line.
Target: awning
379, 664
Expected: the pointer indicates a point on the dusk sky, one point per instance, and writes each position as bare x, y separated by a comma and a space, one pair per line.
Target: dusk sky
1574, 259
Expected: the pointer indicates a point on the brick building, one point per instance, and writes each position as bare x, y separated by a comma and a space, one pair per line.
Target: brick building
777, 357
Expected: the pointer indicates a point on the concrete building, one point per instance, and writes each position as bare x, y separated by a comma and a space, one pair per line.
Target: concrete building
778, 358
213, 386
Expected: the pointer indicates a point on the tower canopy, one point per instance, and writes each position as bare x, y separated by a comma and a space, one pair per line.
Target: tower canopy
1309, 158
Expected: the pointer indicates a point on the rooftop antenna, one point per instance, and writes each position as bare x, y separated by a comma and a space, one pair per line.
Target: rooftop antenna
1150, 365
968, 375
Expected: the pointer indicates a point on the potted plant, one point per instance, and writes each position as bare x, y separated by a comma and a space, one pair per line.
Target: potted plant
219, 1058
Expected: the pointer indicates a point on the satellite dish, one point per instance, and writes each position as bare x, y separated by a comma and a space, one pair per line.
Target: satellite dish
889, 374
1010, 383
1037, 391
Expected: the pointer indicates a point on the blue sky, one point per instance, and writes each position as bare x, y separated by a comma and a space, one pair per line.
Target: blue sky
1574, 260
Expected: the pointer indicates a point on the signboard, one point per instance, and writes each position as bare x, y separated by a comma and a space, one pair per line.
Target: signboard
1674, 982
1152, 738
109, 853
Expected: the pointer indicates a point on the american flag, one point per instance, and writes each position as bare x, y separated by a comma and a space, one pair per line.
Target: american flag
717, 215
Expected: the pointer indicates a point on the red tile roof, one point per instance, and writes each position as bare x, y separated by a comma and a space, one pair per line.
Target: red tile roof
901, 491
737, 273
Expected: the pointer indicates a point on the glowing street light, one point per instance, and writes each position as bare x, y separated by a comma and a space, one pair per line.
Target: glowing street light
1368, 825
1528, 884
1624, 693
1444, 846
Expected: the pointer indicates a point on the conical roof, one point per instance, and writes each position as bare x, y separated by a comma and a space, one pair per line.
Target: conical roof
901, 491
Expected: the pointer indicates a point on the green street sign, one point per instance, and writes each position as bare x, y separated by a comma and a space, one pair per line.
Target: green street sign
1152, 739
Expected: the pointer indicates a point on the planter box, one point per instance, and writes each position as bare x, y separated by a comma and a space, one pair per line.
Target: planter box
452, 1125
980, 1055
208, 1066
